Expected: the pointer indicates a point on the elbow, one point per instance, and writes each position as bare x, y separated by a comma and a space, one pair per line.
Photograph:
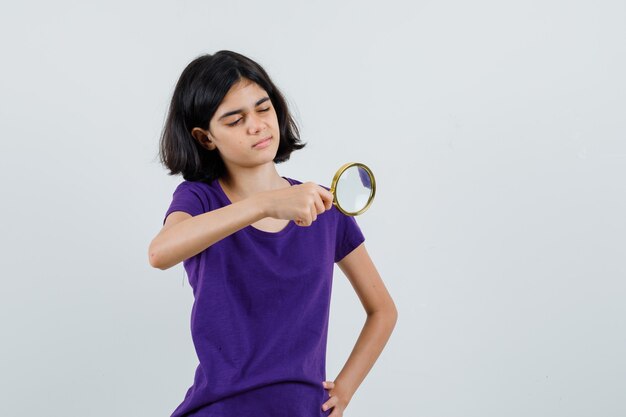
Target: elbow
394, 310
392, 317
154, 259
389, 313
392, 313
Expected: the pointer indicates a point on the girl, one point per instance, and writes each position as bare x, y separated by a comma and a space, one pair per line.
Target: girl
259, 251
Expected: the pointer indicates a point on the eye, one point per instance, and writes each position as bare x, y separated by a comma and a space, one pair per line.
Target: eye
238, 120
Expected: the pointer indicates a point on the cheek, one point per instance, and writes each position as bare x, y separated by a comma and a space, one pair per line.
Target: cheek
274, 119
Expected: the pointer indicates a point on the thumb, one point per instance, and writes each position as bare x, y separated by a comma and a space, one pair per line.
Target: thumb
329, 201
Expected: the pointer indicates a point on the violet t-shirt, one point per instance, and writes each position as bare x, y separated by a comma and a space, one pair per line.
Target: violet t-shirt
259, 320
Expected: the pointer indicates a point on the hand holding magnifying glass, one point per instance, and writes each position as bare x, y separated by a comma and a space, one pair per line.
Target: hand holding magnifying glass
353, 188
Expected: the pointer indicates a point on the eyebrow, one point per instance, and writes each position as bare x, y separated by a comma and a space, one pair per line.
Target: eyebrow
230, 113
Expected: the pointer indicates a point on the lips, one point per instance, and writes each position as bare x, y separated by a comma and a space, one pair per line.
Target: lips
262, 140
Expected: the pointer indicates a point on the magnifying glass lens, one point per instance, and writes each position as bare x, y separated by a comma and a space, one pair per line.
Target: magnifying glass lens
354, 189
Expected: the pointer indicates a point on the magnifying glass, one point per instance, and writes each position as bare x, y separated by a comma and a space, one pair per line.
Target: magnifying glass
353, 188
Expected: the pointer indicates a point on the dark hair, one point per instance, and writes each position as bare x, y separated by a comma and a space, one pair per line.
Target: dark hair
198, 93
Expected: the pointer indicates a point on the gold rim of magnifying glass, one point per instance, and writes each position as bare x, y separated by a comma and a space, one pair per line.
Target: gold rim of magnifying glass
333, 186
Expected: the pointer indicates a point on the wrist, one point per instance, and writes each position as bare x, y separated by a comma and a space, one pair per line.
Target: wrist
259, 204
342, 391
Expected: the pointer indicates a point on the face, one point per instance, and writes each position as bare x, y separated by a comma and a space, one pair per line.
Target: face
245, 116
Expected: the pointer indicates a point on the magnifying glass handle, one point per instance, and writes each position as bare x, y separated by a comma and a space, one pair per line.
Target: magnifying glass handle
332, 191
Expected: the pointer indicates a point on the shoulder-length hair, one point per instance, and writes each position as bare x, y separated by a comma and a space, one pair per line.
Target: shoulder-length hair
197, 95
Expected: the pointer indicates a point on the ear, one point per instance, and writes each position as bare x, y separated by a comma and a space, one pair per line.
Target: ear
203, 137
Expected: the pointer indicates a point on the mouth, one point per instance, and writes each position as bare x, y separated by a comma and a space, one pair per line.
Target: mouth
262, 141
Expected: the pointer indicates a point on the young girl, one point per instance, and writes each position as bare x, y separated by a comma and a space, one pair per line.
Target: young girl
259, 250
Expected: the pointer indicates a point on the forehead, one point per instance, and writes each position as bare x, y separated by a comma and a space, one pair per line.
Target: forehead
243, 93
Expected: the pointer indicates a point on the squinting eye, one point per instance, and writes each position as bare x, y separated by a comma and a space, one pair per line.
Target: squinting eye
265, 109
235, 122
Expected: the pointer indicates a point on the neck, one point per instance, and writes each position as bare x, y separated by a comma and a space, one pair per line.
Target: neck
245, 182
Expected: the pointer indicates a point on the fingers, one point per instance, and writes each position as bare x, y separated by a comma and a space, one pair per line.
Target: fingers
319, 205
322, 201
330, 403
336, 413
327, 197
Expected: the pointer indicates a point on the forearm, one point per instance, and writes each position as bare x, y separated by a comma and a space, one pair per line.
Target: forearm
369, 345
190, 237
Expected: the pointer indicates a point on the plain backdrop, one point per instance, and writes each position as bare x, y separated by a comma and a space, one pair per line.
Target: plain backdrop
496, 131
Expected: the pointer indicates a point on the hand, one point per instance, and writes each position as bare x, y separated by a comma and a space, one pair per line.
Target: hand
301, 203
338, 401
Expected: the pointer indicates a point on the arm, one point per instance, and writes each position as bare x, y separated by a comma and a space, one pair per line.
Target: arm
184, 236
381, 320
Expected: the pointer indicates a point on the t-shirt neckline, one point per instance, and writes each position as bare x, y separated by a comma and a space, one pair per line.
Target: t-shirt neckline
253, 230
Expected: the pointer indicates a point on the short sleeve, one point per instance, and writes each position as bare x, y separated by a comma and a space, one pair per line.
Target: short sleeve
349, 235
187, 198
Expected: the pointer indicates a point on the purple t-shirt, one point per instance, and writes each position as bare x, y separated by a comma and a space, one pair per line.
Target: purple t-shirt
259, 320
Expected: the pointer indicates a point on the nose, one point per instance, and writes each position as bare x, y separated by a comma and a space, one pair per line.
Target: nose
257, 124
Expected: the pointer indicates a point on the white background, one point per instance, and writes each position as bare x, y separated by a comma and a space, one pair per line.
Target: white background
496, 132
